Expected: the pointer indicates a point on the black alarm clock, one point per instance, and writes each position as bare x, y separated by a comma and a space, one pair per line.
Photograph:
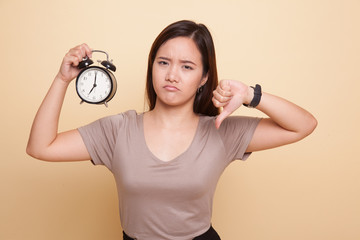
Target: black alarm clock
96, 84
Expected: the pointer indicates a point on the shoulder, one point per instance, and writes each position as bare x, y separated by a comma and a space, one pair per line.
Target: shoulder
239, 123
207, 119
207, 123
232, 125
231, 121
239, 120
115, 121
130, 114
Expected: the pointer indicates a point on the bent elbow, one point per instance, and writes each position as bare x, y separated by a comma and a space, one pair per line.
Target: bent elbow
310, 126
31, 152
314, 124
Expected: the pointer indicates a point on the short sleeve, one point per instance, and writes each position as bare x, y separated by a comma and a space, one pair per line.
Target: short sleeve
100, 138
236, 133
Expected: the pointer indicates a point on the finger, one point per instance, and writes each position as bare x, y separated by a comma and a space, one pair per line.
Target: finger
75, 61
224, 85
224, 88
221, 118
72, 59
225, 93
217, 103
81, 51
220, 97
87, 50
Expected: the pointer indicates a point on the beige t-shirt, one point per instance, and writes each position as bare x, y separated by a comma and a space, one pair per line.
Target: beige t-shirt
166, 200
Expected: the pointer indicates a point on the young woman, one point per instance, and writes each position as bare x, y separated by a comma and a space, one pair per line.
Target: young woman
167, 161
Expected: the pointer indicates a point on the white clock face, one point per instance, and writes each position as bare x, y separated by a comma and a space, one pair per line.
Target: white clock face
94, 85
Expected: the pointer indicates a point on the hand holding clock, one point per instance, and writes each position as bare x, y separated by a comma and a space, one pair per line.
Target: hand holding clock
68, 69
76, 63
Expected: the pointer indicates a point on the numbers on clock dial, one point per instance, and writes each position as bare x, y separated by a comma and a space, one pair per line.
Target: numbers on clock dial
94, 85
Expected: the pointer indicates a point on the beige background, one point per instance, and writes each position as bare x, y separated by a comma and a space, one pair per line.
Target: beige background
307, 51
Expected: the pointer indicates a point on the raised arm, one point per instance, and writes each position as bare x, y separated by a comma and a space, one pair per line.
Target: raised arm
287, 122
45, 143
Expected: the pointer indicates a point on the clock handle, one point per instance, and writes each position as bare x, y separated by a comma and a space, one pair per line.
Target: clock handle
107, 64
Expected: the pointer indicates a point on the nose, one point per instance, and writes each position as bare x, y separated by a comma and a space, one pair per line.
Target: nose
172, 75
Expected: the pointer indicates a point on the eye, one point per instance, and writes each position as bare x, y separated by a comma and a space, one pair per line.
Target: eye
187, 67
163, 63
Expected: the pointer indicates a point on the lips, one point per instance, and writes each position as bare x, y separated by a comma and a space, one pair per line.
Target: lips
171, 88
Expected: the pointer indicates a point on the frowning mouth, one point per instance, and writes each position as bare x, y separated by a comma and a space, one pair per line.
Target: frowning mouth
171, 88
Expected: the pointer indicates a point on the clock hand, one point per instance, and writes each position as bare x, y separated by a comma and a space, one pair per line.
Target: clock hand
94, 85
95, 78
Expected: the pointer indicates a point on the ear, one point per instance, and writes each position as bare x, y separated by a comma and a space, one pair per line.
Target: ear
204, 80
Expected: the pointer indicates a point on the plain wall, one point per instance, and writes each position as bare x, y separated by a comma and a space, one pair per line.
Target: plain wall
307, 51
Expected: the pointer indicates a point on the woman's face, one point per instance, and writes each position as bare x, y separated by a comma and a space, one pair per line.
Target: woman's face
177, 72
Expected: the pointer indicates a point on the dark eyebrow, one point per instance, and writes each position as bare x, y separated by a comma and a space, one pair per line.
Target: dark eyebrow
188, 61
164, 58
182, 61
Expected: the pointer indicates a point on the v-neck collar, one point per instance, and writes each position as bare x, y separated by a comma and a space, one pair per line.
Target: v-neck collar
175, 159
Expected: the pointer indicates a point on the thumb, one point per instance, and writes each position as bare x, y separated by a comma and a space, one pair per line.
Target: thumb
221, 117
225, 85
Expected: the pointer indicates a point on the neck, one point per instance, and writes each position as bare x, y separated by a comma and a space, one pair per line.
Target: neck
172, 117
